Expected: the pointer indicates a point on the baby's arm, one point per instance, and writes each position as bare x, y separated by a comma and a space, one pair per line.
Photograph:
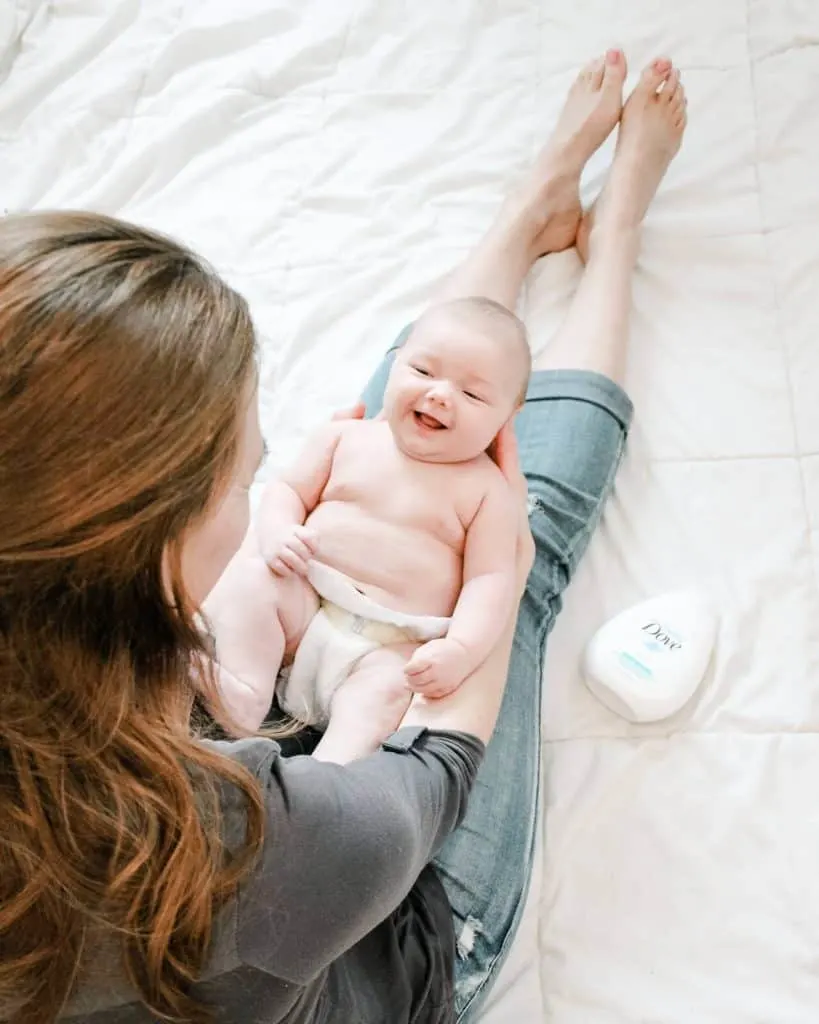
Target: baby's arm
485, 601
287, 501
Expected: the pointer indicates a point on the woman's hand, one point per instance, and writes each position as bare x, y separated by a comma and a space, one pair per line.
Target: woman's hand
355, 412
504, 451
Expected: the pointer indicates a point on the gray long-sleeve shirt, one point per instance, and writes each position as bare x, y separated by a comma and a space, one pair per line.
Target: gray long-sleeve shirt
340, 922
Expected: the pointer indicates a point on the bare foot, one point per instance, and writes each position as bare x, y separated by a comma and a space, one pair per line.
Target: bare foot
549, 201
651, 130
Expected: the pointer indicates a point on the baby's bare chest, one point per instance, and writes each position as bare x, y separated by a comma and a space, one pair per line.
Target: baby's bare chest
385, 484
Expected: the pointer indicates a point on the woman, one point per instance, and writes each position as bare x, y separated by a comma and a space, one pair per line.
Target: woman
145, 873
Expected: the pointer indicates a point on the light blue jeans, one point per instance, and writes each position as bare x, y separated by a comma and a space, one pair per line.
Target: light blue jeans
571, 433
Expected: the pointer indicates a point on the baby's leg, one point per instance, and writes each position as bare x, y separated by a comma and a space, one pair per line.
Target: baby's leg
255, 619
297, 603
368, 706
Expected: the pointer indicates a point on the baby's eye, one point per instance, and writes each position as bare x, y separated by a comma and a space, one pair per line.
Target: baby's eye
473, 396
421, 370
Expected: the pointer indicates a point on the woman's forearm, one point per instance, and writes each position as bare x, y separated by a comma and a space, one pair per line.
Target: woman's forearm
472, 708
483, 605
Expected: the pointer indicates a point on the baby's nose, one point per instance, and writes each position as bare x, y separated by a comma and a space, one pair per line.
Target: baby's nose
440, 391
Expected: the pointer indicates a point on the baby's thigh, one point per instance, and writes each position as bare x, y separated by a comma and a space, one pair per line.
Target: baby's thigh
256, 617
376, 689
296, 604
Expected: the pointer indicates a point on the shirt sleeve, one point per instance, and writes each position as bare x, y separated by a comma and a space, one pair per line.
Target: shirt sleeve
344, 844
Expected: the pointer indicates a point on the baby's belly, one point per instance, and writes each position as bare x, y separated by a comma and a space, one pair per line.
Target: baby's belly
410, 570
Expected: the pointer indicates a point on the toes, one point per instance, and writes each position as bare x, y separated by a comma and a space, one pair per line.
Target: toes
588, 69
654, 75
614, 68
671, 87
675, 90
593, 72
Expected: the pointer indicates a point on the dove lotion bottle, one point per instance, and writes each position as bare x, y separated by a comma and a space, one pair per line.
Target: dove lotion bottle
646, 663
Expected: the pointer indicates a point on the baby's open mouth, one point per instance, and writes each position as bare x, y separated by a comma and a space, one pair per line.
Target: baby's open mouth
430, 422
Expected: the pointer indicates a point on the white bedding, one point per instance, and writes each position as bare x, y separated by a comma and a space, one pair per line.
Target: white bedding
333, 158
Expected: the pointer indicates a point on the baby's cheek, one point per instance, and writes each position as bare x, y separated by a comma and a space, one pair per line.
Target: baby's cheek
487, 426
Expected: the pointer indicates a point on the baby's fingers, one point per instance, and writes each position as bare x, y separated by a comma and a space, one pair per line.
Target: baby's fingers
419, 676
303, 548
294, 562
279, 567
307, 538
437, 690
430, 685
421, 683
417, 664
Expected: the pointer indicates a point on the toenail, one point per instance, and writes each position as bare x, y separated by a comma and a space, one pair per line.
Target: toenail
613, 56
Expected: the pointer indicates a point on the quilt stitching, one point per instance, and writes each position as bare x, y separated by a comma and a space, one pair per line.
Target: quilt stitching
800, 455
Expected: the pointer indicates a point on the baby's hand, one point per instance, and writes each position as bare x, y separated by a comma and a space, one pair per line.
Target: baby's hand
290, 551
437, 667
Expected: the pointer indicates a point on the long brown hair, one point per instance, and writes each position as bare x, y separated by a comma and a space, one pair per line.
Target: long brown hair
124, 365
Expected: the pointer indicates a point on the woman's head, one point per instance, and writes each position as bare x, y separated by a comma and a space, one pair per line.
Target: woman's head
128, 438
128, 411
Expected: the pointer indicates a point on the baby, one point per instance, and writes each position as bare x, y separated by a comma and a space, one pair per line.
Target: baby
394, 538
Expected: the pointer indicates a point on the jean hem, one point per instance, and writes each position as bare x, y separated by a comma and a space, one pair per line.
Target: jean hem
582, 386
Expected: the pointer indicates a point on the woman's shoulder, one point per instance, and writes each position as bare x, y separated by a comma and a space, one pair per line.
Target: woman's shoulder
253, 753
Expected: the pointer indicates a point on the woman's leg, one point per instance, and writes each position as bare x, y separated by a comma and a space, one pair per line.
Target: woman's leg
544, 214
651, 129
571, 434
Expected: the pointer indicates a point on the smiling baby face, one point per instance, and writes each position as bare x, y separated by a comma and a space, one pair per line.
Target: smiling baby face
458, 379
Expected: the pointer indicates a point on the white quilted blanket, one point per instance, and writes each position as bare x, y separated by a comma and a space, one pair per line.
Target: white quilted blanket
333, 158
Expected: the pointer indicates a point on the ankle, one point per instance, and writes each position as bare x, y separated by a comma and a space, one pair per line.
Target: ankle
612, 236
561, 173
512, 242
